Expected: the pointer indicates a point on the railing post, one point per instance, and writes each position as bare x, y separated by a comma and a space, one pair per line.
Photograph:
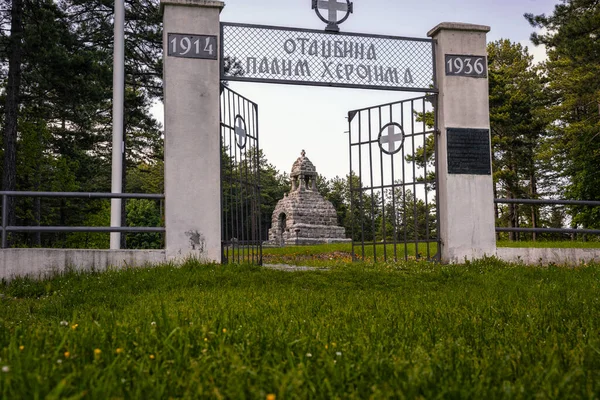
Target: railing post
4, 216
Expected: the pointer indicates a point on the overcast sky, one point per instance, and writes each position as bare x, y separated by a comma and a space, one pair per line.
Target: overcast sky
293, 118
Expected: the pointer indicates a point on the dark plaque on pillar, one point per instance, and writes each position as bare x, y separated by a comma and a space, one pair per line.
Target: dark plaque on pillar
469, 151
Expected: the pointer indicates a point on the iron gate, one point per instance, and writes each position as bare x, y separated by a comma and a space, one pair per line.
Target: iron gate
240, 180
393, 181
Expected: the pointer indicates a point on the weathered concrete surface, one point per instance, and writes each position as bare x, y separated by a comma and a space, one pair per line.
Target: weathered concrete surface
43, 262
192, 140
545, 256
466, 201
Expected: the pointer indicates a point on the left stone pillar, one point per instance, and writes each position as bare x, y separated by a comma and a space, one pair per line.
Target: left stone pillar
192, 141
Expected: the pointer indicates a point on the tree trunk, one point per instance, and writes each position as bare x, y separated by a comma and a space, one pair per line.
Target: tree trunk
9, 179
534, 208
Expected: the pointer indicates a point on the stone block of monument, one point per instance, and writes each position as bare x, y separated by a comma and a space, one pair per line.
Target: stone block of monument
303, 216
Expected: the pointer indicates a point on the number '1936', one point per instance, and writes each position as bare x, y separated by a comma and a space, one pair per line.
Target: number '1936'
471, 66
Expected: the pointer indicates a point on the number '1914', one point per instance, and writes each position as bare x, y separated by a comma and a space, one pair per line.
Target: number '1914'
192, 46
471, 66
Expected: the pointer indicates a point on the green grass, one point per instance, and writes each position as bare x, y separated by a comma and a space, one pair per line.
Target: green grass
415, 330
324, 255
550, 244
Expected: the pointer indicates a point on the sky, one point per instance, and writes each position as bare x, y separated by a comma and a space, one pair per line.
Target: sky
295, 118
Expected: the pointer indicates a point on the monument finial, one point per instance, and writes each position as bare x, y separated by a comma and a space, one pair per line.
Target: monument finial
303, 154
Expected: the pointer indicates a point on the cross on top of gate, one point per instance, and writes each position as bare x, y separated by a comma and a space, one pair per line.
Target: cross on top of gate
240, 131
395, 134
332, 7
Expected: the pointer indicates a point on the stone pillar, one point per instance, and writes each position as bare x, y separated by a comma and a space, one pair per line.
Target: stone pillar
467, 223
192, 139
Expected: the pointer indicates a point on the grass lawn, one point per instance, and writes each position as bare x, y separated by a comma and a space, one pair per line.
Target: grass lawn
416, 330
551, 244
325, 255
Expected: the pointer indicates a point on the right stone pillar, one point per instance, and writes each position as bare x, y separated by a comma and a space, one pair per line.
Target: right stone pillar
466, 195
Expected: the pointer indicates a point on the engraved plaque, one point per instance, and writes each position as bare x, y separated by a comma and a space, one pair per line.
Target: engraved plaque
470, 66
469, 151
193, 46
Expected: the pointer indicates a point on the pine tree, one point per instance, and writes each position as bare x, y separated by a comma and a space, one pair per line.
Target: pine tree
516, 99
572, 39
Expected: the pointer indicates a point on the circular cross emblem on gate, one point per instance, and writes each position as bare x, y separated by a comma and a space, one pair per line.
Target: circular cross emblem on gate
240, 131
391, 138
332, 7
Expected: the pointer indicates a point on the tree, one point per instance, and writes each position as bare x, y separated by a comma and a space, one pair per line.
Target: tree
13, 91
516, 98
571, 36
58, 114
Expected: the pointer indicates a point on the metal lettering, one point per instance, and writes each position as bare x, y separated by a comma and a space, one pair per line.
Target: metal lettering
349, 70
396, 78
275, 67
339, 69
378, 73
339, 49
303, 42
348, 49
300, 68
286, 67
389, 75
364, 72
313, 50
371, 53
253, 61
286, 47
328, 54
359, 51
408, 76
264, 66
327, 65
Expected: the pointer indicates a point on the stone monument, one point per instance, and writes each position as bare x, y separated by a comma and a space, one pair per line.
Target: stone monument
303, 216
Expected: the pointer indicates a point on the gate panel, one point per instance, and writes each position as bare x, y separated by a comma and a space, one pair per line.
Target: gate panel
240, 180
393, 185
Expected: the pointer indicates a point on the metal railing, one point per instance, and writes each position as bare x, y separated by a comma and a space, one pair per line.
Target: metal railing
549, 202
91, 229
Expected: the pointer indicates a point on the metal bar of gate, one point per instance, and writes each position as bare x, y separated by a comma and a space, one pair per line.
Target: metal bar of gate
549, 202
4, 218
393, 188
550, 230
89, 195
92, 229
425, 176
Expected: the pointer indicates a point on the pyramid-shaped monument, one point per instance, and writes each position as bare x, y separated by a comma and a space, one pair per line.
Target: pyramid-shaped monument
303, 216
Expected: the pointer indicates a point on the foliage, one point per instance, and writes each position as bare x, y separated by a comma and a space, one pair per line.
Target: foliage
64, 103
410, 330
571, 37
518, 128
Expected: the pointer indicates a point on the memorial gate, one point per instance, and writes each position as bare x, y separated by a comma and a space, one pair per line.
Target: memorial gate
423, 165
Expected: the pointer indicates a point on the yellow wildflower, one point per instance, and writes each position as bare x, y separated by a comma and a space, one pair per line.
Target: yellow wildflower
271, 396
67, 354
21, 348
97, 352
224, 330
119, 350
152, 356
74, 326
